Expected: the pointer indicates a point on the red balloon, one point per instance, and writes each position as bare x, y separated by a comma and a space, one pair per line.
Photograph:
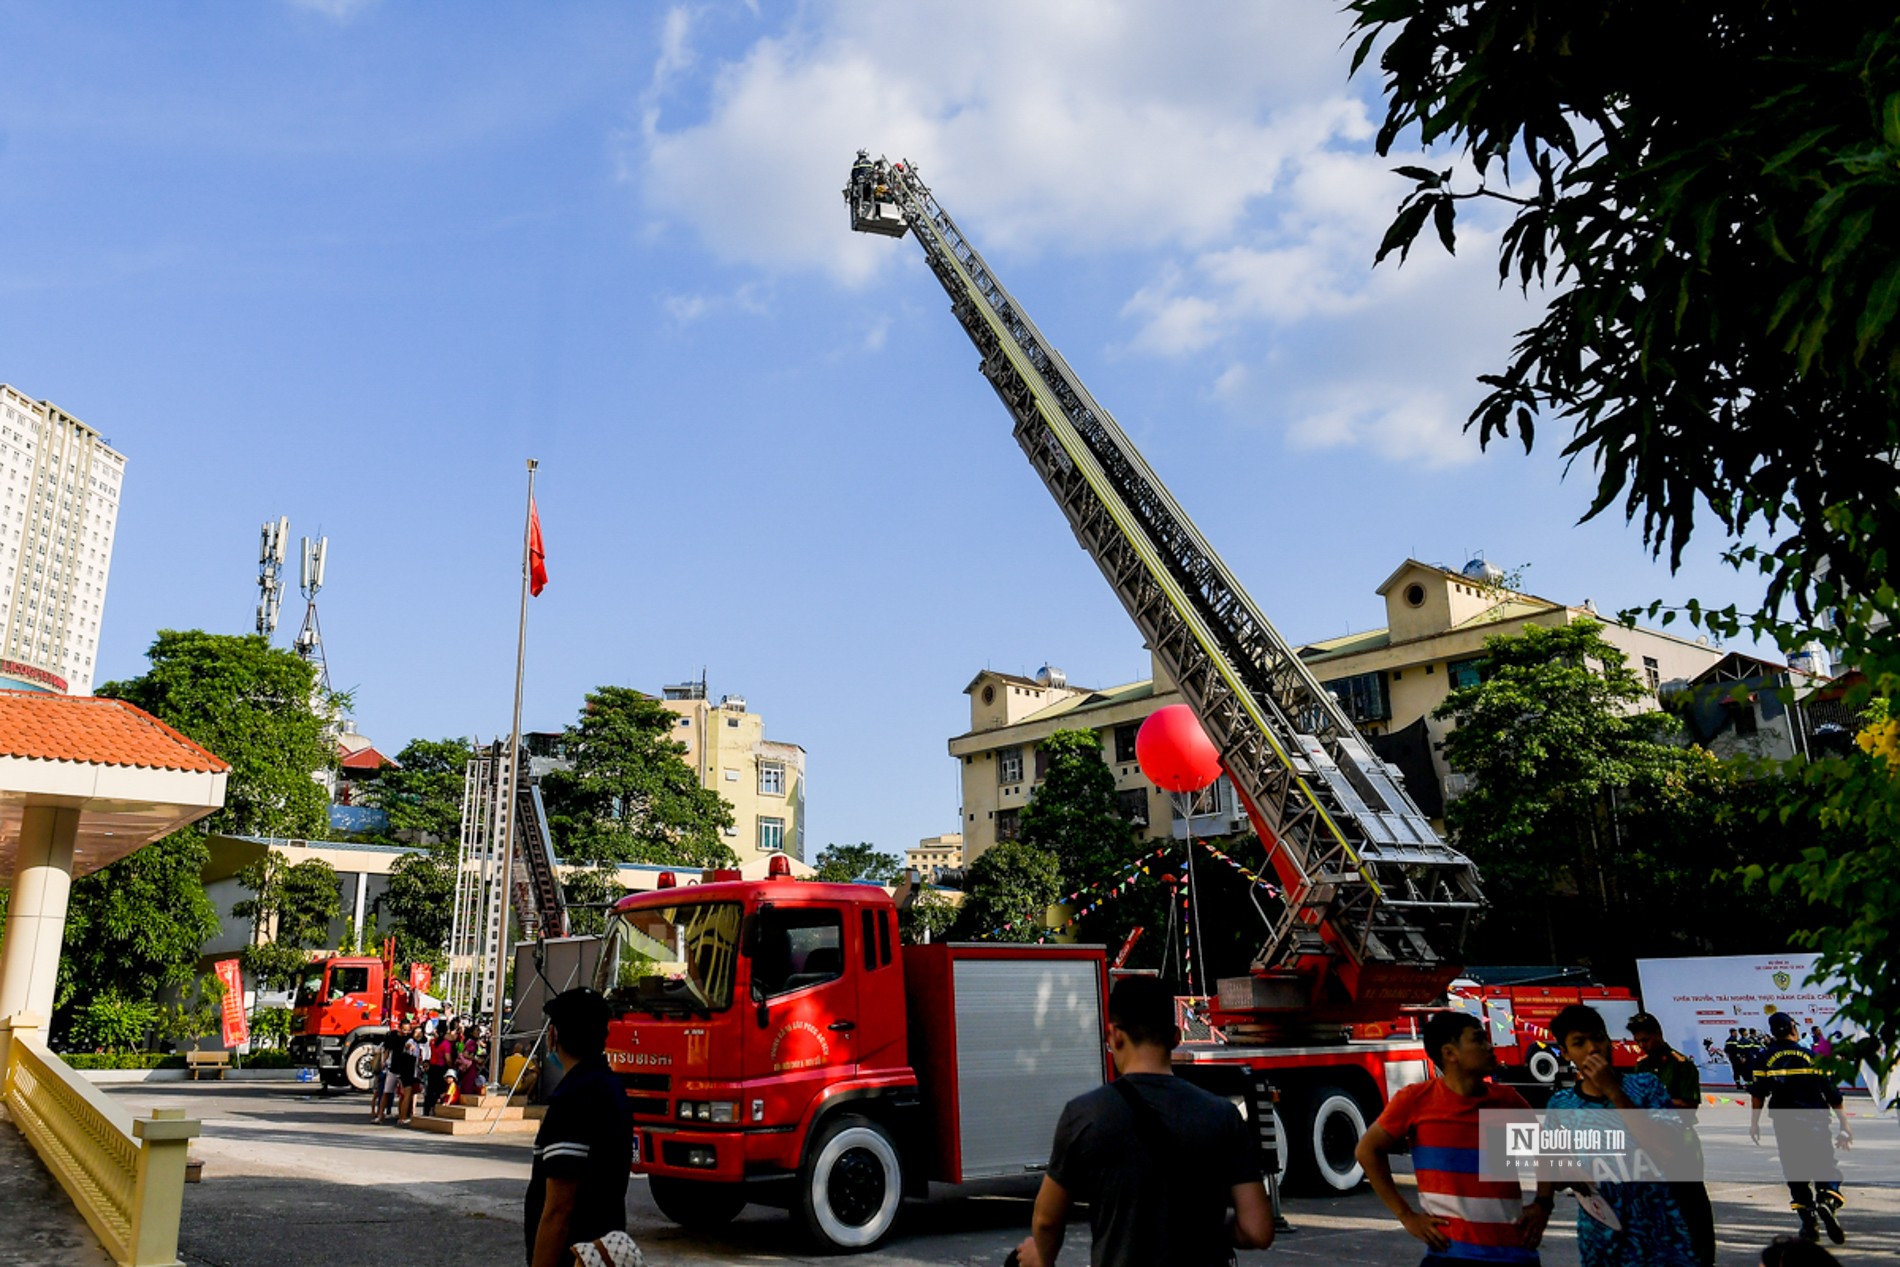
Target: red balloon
1174, 752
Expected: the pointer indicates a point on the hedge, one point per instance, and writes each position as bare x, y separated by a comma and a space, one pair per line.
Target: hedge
175, 1060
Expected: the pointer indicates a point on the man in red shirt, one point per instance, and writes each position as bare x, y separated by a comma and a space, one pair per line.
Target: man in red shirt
1462, 1216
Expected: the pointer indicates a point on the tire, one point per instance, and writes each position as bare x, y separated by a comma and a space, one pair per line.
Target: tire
851, 1186
704, 1207
359, 1066
1544, 1065
1327, 1126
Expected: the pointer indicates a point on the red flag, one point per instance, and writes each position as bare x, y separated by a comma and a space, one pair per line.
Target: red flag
235, 1028
537, 557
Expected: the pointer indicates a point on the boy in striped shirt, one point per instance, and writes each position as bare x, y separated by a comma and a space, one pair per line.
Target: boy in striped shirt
1463, 1216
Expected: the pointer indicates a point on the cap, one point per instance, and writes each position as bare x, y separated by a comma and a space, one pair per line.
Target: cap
1643, 1022
581, 1007
1782, 1023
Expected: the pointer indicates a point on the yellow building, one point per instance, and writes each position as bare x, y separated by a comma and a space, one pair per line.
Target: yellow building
934, 853
762, 779
1388, 679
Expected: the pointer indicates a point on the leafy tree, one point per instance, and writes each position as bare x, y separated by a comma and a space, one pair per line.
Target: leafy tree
1073, 812
420, 904
422, 792
1721, 337
291, 909
927, 919
1012, 884
135, 927
841, 864
112, 1022
1598, 838
257, 708
586, 892
1719, 286
629, 796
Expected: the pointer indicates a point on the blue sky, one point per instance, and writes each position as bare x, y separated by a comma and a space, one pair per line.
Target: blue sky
352, 261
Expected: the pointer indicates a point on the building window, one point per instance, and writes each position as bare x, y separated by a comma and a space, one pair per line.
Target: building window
771, 778
1745, 721
1463, 673
1009, 765
1415, 595
1008, 824
771, 835
1132, 804
1125, 741
1362, 696
1652, 673
1042, 763
733, 722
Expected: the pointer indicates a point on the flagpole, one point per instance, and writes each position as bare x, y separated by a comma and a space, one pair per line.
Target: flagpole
514, 776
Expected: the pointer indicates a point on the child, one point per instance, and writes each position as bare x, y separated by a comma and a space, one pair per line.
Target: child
1636, 1224
1464, 1215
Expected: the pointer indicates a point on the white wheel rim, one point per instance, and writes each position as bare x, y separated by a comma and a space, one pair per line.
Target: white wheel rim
1335, 1106
1543, 1066
835, 1229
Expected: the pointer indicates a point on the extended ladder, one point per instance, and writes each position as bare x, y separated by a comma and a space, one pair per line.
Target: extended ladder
1376, 905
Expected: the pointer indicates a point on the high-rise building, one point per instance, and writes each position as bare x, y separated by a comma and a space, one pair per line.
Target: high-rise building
59, 504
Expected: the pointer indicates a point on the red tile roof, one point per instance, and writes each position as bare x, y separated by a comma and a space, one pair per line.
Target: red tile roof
364, 758
96, 732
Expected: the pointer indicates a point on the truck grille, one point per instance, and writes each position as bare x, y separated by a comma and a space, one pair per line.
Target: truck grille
647, 1081
647, 1105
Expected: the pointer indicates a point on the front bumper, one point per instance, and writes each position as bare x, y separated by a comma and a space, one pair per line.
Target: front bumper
685, 1154
319, 1051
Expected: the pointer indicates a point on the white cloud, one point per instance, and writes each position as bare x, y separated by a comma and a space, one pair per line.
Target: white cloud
685, 309
1222, 163
1075, 123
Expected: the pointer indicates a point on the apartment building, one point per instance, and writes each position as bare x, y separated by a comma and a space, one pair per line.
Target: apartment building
762, 779
59, 507
935, 854
1389, 680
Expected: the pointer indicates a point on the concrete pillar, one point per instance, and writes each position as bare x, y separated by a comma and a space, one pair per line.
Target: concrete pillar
36, 913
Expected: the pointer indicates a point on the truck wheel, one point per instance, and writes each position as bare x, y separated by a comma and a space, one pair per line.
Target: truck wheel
1544, 1065
701, 1206
1328, 1125
359, 1066
851, 1185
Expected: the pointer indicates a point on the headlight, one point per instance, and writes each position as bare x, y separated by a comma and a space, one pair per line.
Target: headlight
725, 1111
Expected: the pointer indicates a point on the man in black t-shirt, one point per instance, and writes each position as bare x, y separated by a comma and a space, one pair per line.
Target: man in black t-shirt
387, 1081
1158, 1161
583, 1153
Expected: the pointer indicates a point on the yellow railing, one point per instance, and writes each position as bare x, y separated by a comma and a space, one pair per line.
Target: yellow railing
126, 1174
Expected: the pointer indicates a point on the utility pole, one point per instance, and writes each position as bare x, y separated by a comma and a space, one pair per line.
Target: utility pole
514, 776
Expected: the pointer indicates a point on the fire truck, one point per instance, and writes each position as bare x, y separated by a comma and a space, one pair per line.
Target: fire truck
344, 1005
778, 1047
1518, 1019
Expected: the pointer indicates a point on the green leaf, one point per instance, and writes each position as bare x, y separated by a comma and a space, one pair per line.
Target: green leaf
1404, 228
1423, 175
1443, 215
1883, 301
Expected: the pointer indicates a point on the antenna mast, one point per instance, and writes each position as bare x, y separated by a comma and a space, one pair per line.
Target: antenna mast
270, 578
309, 642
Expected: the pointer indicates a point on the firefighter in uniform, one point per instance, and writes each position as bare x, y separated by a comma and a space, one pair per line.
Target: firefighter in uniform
1678, 1075
1798, 1097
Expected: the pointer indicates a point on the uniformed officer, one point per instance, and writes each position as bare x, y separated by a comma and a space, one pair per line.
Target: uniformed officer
1798, 1096
1737, 1057
1678, 1075
583, 1153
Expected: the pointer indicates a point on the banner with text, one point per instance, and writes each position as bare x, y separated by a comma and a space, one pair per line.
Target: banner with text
236, 1029
1699, 1000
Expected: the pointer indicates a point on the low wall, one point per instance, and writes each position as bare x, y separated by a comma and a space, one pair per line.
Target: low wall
184, 1075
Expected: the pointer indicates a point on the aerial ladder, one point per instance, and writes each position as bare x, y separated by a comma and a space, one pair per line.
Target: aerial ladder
1375, 905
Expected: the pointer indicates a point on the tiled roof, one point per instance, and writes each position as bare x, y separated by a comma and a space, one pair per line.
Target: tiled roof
364, 758
95, 731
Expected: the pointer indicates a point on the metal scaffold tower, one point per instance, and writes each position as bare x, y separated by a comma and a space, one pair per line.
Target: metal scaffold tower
497, 819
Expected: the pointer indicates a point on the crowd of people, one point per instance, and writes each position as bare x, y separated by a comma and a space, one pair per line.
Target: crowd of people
1632, 1223
444, 1059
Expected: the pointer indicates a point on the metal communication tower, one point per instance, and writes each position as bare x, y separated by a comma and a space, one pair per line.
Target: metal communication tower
309, 642
270, 573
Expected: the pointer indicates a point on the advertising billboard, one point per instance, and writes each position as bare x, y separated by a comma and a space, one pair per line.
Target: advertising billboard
1698, 1000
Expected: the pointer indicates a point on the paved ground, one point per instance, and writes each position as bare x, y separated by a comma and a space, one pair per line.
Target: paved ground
294, 1179
38, 1225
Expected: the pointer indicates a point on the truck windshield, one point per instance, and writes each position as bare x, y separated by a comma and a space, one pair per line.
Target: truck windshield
671, 958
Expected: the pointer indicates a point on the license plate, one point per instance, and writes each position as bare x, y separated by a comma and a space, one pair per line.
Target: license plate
636, 1148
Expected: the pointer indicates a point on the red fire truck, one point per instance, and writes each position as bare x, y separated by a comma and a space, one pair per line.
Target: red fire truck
1518, 1018
344, 1005
778, 1046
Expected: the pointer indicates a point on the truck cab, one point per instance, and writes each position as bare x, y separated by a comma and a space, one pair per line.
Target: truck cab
342, 1007
778, 1046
